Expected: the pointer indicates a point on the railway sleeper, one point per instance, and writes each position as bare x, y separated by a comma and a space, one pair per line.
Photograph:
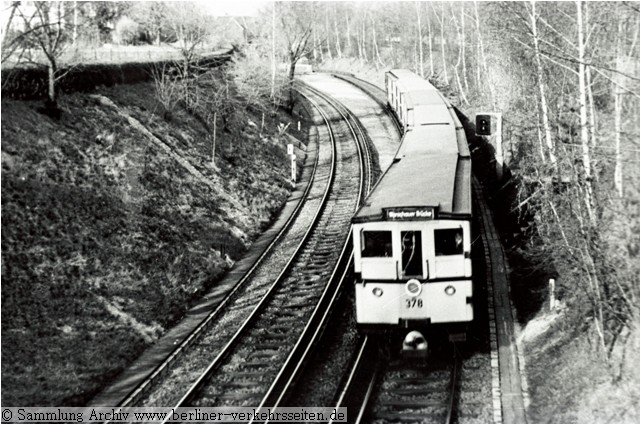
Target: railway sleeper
257, 364
271, 344
421, 402
287, 313
237, 396
275, 336
307, 302
251, 384
262, 354
414, 416
409, 392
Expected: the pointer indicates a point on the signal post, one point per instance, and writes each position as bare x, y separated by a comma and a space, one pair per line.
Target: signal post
489, 124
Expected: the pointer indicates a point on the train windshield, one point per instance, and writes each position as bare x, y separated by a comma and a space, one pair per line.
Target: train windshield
411, 253
448, 242
376, 244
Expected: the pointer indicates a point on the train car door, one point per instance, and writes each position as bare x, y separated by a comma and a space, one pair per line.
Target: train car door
449, 246
411, 263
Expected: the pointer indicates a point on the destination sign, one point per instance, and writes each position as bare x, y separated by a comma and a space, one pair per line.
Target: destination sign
410, 214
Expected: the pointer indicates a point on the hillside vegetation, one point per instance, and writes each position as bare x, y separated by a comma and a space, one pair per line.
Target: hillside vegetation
107, 239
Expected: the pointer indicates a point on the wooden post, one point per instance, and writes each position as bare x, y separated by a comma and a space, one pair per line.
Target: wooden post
293, 170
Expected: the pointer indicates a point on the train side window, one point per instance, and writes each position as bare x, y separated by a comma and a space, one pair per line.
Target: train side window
448, 242
376, 244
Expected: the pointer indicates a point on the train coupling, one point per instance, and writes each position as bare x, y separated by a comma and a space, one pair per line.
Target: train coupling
415, 345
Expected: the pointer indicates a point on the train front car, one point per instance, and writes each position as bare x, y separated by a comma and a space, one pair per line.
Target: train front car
412, 236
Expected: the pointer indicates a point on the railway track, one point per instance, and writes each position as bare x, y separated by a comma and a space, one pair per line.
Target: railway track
262, 332
400, 390
305, 251
260, 361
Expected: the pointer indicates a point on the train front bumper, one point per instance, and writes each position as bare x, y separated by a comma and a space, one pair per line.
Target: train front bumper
433, 302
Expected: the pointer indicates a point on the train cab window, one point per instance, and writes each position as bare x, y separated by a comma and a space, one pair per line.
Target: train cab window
411, 253
448, 242
376, 244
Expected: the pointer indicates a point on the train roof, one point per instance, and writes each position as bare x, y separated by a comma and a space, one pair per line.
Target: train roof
428, 139
402, 73
432, 169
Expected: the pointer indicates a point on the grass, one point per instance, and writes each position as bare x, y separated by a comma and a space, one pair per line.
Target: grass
106, 240
571, 383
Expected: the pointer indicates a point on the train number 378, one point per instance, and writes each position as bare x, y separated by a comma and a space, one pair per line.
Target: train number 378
413, 303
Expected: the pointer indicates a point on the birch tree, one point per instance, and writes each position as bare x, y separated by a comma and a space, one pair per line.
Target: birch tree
584, 129
541, 86
418, 9
337, 32
441, 20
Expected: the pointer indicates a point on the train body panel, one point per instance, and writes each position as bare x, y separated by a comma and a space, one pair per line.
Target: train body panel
412, 234
384, 303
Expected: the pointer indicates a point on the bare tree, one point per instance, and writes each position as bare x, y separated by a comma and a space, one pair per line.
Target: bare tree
152, 15
460, 54
541, 85
10, 44
335, 26
441, 19
418, 9
297, 33
584, 124
191, 28
45, 26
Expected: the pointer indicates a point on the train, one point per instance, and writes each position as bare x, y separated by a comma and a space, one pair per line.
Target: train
412, 234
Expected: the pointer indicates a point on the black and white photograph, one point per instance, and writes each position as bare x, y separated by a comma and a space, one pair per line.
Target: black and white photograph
259, 211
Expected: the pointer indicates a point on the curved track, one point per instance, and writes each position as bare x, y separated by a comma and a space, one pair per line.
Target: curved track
184, 366
259, 361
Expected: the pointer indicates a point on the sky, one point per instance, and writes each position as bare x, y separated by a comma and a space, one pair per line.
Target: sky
233, 7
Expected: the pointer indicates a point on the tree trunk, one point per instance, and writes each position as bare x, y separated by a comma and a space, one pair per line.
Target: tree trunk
75, 22
442, 42
462, 46
213, 144
53, 71
431, 68
318, 43
618, 134
541, 88
483, 58
592, 110
541, 143
273, 52
617, 109
375, 43
348, 34
364, 38
420, 39
415, 55
327, 31
335, 26
459, 60
584, 129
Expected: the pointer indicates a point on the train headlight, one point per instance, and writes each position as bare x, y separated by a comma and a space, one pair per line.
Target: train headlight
413, 287
377, 291
450, 290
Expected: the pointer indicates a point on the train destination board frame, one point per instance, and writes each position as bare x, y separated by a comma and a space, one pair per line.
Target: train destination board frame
413, 213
